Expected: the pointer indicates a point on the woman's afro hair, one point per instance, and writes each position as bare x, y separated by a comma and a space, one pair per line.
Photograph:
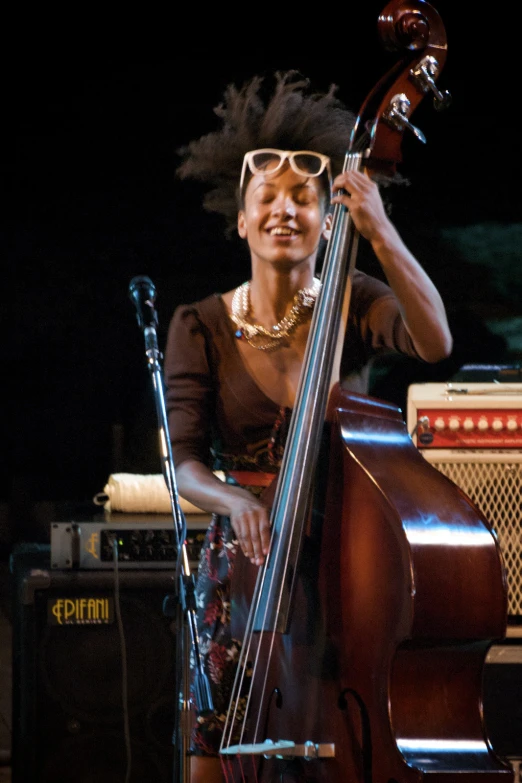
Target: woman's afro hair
279, 111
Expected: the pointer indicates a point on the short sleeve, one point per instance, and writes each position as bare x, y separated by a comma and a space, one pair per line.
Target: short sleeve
375, 327
377, 317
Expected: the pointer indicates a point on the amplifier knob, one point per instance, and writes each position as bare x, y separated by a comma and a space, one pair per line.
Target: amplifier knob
468, 424
454, 423
439, 423
483, 424
511, 425
424, 423
497, 425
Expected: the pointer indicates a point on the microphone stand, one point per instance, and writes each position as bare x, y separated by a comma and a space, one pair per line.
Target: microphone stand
143, 293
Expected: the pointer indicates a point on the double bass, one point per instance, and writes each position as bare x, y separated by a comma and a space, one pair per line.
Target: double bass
364, 634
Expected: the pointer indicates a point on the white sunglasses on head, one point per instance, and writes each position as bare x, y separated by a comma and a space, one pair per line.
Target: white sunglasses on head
269, 161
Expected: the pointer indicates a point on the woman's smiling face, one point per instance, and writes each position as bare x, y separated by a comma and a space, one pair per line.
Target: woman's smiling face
283, 217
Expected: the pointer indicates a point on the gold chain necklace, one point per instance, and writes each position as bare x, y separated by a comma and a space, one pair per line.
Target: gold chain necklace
259, 336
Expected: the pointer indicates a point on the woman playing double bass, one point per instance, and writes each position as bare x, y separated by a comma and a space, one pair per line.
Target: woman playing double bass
232, 360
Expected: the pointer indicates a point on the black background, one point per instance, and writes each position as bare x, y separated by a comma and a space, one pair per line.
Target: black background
92, 200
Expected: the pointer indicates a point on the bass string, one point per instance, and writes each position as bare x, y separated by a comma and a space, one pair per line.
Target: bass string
245, 653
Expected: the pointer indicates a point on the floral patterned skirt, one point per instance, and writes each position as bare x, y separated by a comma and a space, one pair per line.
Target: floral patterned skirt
219, 651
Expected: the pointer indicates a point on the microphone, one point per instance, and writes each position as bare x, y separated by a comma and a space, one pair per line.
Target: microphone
143, 293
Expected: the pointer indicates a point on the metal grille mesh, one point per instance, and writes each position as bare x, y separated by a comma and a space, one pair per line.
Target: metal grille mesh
496, 488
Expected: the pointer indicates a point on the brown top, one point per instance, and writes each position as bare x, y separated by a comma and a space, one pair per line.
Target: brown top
218, 414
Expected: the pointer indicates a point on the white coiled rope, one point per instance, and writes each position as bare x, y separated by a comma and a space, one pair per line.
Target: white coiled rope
141, 493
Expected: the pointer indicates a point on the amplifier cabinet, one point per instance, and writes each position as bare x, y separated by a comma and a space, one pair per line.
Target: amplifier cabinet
95, 694
502, 701
472, 433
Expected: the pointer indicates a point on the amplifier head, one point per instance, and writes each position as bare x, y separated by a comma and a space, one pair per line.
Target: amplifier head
465, 415
143, 542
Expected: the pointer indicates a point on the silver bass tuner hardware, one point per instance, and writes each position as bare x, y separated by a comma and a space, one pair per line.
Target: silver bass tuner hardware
423, 76
396, 115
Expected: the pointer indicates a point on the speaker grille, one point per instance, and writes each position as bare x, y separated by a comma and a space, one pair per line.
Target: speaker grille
70, 706
494, 484
81, 666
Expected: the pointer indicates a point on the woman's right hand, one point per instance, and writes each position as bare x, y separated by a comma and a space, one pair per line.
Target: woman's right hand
251, 523
249, 516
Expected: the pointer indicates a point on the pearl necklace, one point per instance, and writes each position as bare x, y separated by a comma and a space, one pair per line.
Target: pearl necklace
259, 336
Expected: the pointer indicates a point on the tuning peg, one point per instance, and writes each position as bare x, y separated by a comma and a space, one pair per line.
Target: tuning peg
424, 76
397, 116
